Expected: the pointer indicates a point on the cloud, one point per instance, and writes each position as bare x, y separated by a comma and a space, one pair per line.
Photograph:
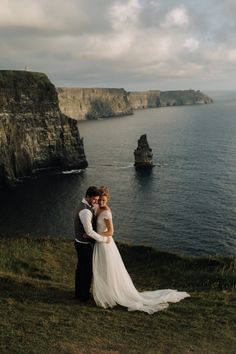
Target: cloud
124, 43
191, 44
124, 14
177, 17
54, 16
232, 55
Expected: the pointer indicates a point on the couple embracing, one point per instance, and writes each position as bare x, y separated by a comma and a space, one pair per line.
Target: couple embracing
99, 259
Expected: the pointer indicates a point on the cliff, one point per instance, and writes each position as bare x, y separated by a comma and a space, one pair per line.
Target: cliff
183, 98
152, 99
34, 135
144, 99
93, 103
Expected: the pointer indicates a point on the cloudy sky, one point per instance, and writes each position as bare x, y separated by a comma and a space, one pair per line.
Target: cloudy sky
135, 44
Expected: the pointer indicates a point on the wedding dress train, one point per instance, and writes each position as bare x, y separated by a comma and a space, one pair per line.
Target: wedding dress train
112, 284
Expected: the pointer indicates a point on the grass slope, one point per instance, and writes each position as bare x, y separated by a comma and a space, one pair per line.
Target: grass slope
40, 316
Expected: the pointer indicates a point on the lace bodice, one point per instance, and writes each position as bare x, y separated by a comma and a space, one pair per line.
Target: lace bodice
101, 226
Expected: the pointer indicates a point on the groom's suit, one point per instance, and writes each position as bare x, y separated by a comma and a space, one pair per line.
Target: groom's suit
84, 223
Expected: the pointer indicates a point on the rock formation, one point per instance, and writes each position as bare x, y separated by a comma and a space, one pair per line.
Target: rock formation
152, 99
96, 103
34, 135
183, 98
144, 99
93, 103
143, 154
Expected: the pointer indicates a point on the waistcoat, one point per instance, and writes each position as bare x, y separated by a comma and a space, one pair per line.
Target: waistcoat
79, 229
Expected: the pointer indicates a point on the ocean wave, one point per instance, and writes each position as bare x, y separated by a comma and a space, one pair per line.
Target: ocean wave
68, 172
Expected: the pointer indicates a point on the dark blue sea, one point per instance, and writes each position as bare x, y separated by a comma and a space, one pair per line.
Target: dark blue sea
186, 204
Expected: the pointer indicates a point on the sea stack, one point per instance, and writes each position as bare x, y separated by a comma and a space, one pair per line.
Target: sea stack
143, 154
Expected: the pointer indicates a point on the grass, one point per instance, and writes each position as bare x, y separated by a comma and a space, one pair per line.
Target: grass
40, 316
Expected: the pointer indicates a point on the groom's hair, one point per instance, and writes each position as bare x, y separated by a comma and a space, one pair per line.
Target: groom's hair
92, 191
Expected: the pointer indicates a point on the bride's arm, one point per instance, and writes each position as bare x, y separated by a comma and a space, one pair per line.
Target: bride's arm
110, 228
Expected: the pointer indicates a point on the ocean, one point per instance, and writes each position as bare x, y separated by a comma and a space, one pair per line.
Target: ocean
186, 204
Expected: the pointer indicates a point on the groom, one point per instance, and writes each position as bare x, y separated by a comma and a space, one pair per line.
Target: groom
84, 224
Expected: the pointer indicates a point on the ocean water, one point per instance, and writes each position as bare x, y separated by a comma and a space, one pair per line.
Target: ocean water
186, 204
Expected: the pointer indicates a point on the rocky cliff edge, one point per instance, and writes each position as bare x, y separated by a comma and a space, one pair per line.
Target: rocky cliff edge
34, 135
95, 103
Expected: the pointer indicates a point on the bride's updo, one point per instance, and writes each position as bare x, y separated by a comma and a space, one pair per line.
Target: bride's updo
104, 191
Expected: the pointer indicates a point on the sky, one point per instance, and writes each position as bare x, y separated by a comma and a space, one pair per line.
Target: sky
133, 44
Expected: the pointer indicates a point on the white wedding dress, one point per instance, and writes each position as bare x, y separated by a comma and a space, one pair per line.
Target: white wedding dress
112, 284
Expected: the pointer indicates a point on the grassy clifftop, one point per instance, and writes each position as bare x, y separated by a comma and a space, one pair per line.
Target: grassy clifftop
39, 314
19, 75
24, 91
183, 97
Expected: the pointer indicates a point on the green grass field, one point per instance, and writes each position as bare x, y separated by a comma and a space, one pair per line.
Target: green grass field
39, 314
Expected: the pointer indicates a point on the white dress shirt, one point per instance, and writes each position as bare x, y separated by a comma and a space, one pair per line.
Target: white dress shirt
85, 216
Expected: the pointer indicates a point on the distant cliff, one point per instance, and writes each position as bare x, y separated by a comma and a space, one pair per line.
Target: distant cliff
144, 99
183, 98
152, 98
95, 103
34, 135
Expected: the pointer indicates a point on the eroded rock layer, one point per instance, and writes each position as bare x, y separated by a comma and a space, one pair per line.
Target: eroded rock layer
96, 103
34, 135
143, 154
93, 103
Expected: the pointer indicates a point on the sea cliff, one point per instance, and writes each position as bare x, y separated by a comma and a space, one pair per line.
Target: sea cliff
96, 103
154, 98
93, 103
34, 135
144, 99
183, 98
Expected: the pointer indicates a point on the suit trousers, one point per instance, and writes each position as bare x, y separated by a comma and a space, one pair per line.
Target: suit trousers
84, 270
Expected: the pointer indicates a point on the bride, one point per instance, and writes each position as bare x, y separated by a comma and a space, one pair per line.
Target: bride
112, 284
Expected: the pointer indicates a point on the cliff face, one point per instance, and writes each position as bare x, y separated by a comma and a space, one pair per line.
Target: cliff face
143, 154
93, 103
144, 99
34, 134
185, 97
152, 99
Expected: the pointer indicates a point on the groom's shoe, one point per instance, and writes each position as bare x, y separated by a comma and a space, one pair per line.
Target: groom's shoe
84, 299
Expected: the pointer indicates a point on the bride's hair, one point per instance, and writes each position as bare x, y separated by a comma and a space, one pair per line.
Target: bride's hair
104, 191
